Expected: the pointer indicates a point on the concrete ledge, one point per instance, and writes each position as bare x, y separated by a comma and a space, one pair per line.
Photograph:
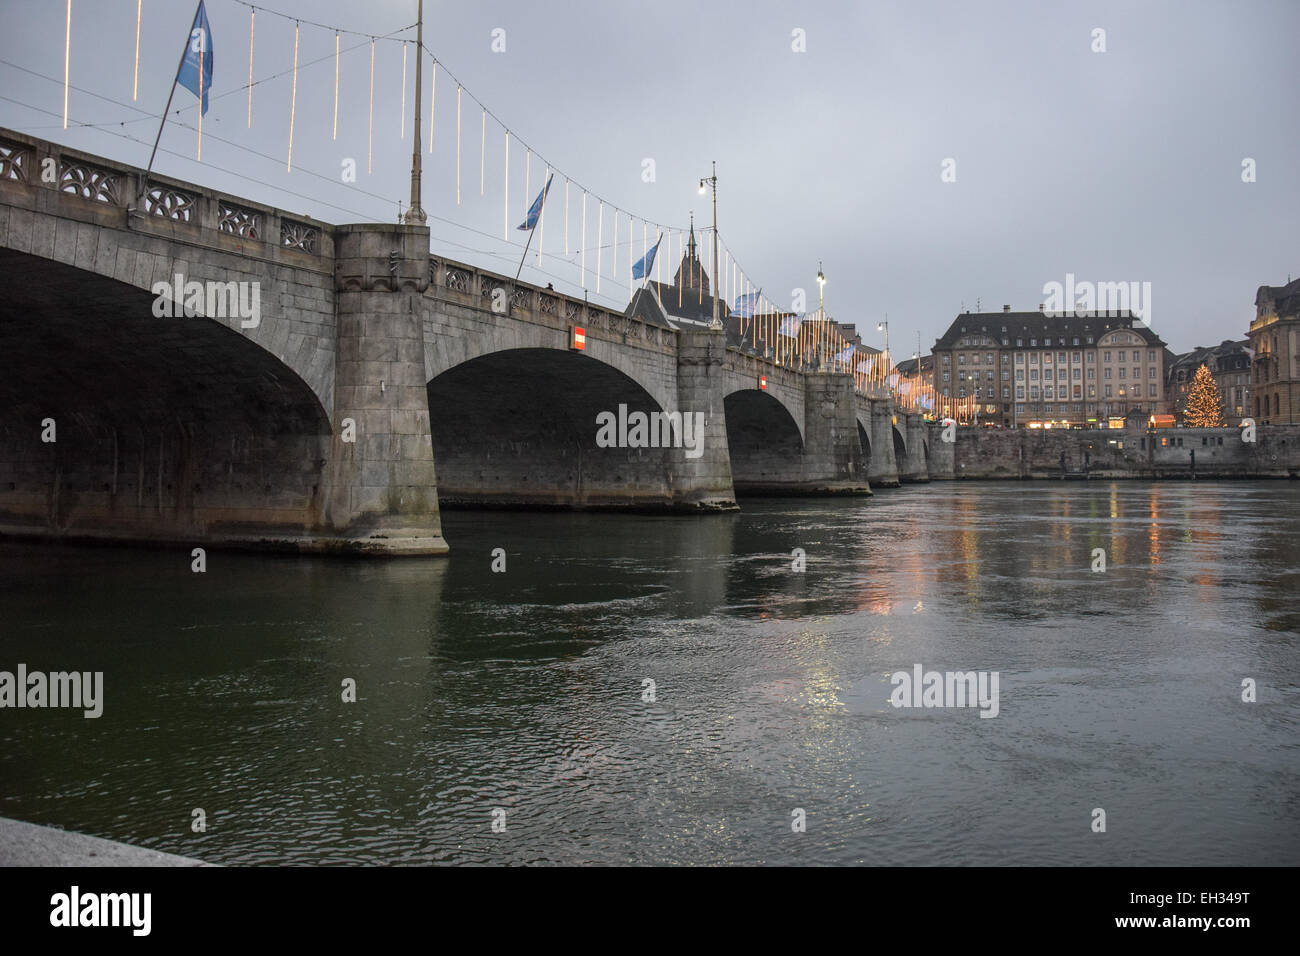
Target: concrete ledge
26, 844
378, 544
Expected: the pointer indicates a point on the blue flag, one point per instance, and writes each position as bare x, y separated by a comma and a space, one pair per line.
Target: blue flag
198, 59
647, 261
845, 355
746, 305
790, 327
535, 210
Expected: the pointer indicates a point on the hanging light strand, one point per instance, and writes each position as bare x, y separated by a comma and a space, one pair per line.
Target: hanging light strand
293, 101
370, 134
252, 16
135, 82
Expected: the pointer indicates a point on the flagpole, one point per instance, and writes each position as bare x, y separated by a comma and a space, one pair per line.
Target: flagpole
175, 78
526, 245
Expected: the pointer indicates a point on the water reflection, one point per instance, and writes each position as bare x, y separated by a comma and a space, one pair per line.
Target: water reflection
526, 691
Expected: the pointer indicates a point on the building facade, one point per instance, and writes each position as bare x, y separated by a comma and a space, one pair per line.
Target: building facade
1040, 370
1275, 340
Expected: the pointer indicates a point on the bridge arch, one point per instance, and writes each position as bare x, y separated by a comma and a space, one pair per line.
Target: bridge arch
162, 425
519, 427
765, 441
900, 447
864, 444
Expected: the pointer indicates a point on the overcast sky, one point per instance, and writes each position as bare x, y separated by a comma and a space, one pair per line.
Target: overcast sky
1117, 166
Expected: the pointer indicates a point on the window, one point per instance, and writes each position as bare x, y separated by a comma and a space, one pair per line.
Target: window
1092, 373
1033, 392
988, 359
1092, 357
946, 393
1033, 343
1047, 392
1006, 375
1151, 355
1106, 373
1006, 391
961, 393
1076, 342
1108, 389
1020, 375
1077, 356
975, 359
945, 376
1020, 409
1020, 392
1020, 358
1078, 393
1047, 375
1089, 340
1105, 357
988, 376
1151, 372
1060, 356
947, 360
1137, 356
1092, 391
1122, 370
1033, 375
1005, 340
961, 359
1137, 373
1047, 358
1151, 390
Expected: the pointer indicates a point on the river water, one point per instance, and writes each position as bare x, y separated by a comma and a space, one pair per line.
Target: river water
524, 691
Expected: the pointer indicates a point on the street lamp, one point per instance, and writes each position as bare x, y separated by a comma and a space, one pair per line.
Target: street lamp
821, 290
712, 182
884, 327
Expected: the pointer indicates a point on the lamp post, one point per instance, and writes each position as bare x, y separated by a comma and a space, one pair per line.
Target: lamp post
415, 216
821, 307
712, 183
883, 326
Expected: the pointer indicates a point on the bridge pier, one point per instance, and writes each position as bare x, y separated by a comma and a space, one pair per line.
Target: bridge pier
884, 462
381, 490
915, 467
832, 460
703, 483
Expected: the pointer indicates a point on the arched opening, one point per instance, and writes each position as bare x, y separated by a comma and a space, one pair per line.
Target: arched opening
519, 428
766, 447
864, 444
900, 450
162, 426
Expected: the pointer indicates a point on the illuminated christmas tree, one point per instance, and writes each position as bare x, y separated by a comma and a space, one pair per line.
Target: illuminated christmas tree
1204, 406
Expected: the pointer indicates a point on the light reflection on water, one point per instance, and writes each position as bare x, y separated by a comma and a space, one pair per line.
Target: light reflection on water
523, 690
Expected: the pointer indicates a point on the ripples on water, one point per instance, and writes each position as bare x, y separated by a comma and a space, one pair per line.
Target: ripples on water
523, 691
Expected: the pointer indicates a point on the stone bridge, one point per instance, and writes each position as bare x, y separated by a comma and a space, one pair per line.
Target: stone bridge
142, 398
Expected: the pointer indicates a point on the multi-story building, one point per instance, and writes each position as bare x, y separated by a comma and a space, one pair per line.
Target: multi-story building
1035, 369
1229, 364
1275, 340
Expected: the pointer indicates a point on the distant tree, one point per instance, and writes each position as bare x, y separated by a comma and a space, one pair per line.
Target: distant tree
1204, 406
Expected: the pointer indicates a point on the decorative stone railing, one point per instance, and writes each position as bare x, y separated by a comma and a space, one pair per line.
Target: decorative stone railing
109, 190
524, 301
